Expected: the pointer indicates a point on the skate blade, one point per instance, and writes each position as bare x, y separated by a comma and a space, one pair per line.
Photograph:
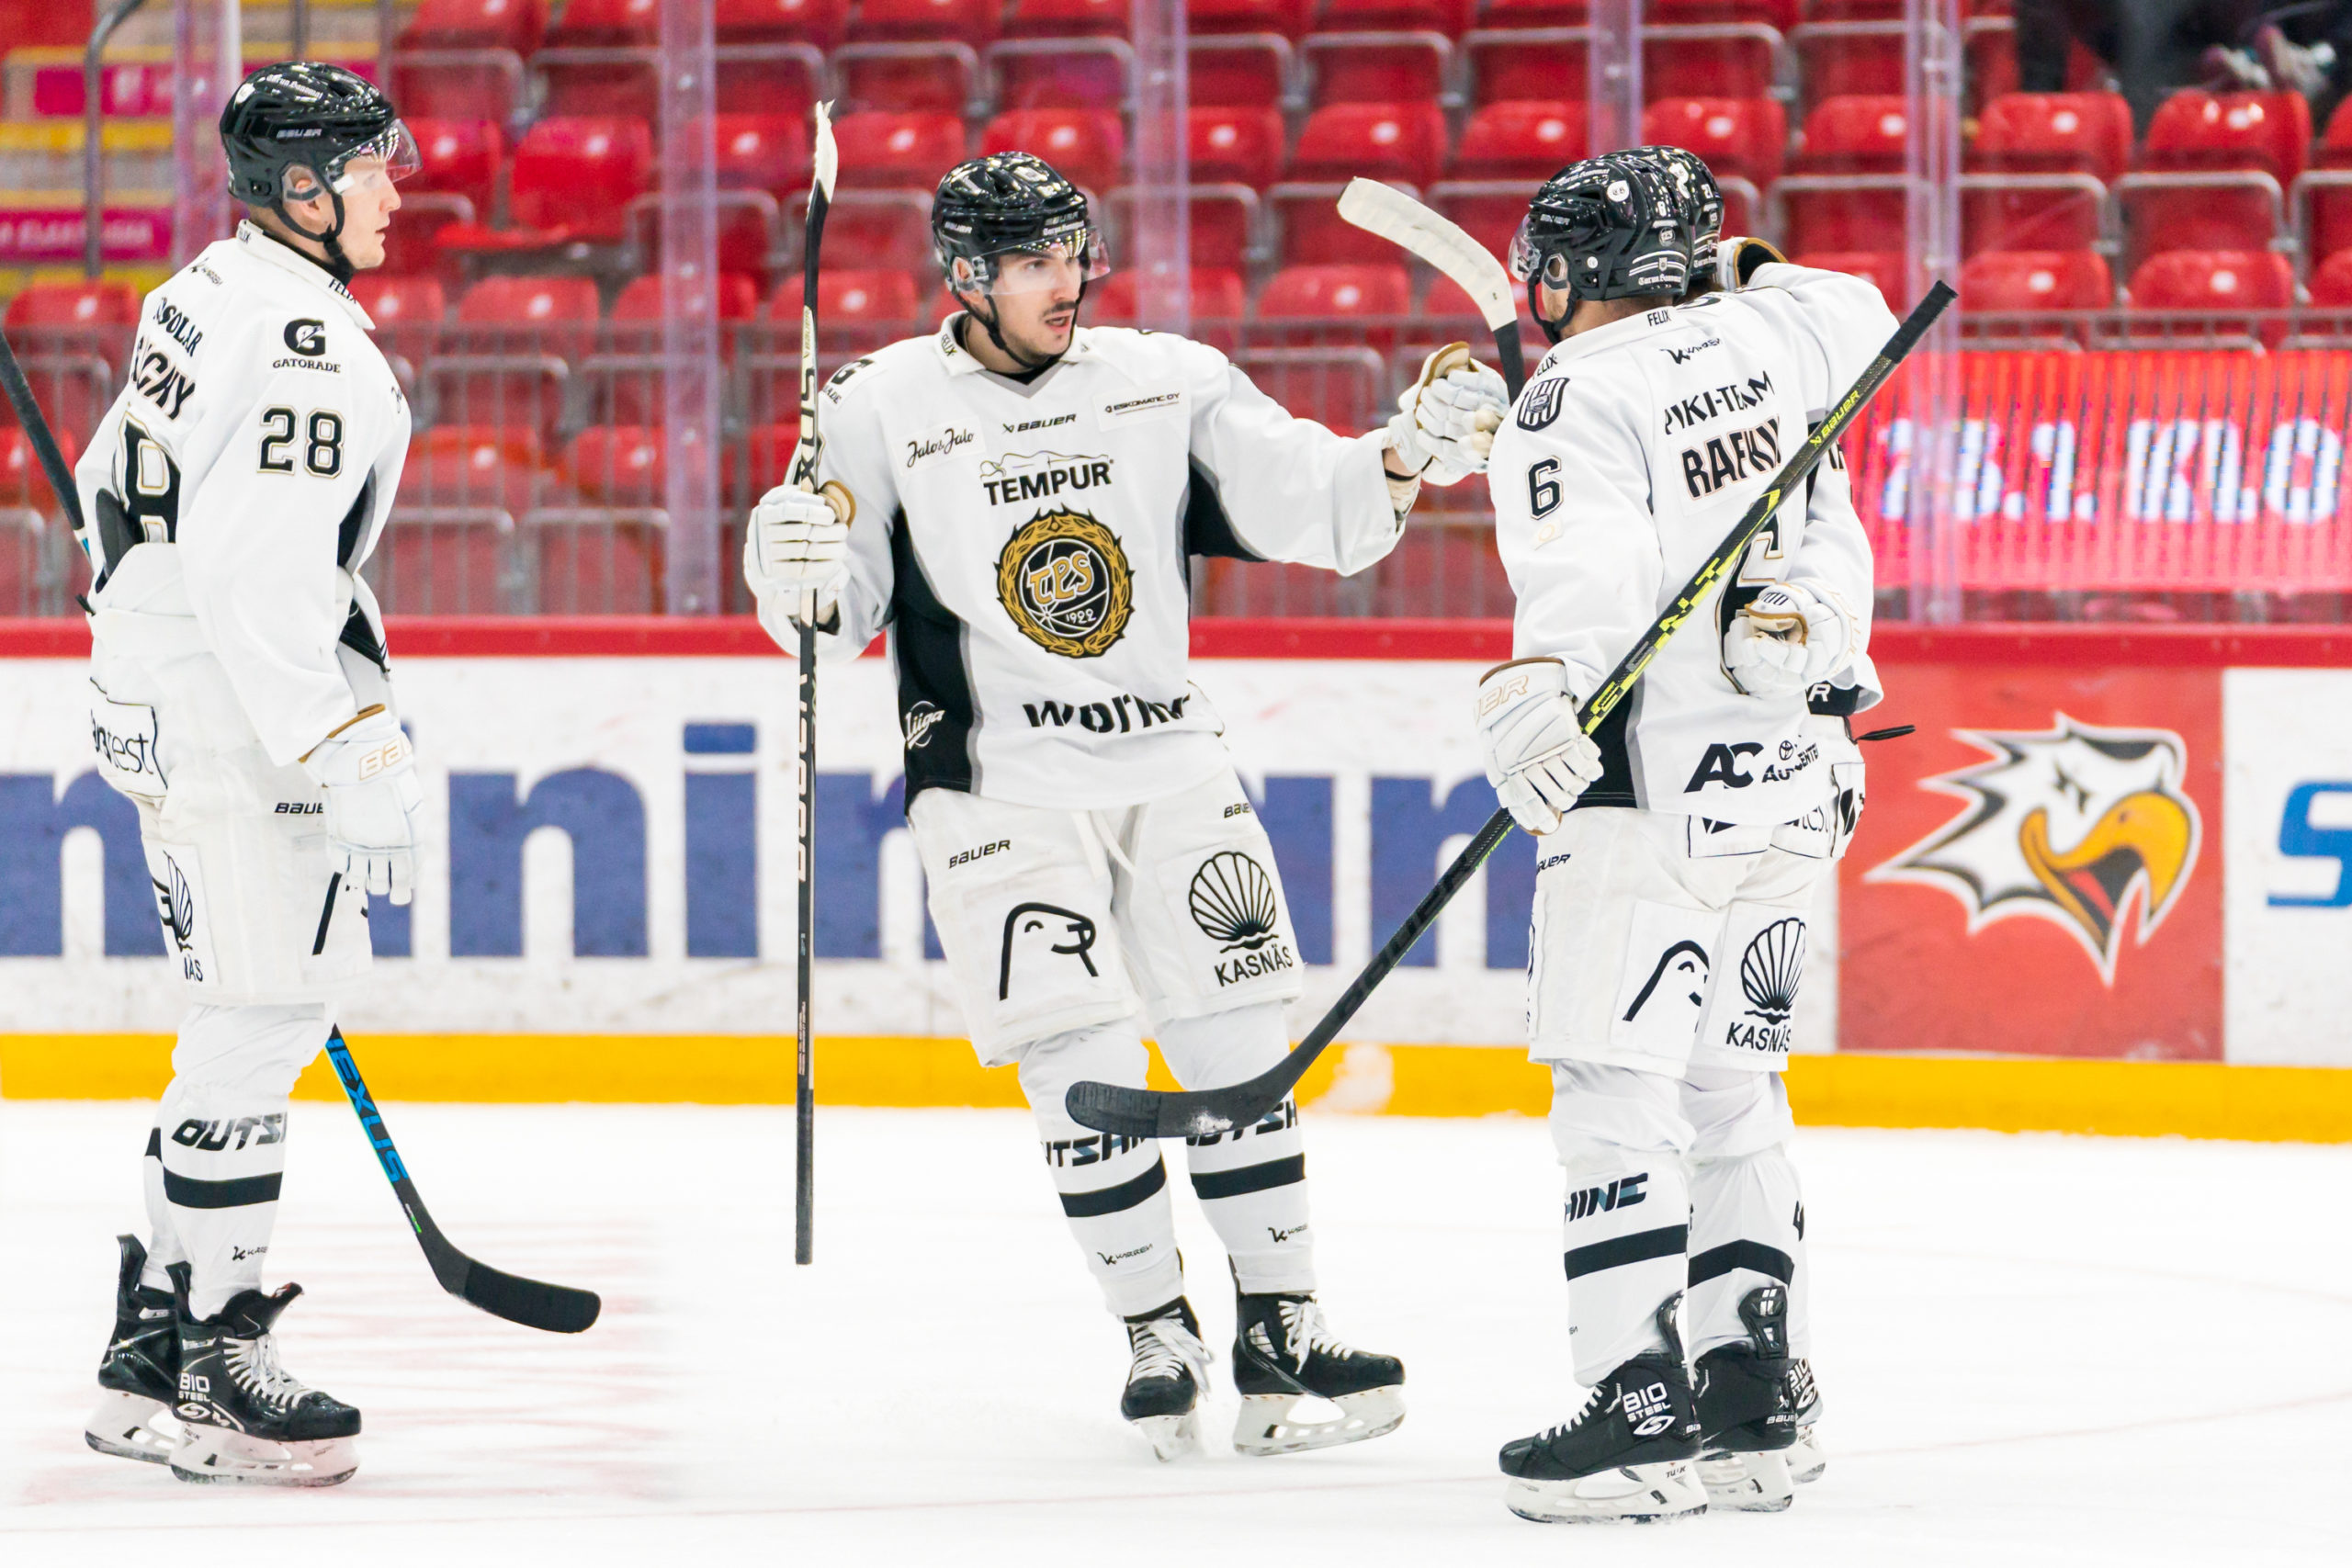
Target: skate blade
1266, 1424
1808, 1458
1171, 1436
213, 1457
1747, 1484
131, 1426
1634, 1494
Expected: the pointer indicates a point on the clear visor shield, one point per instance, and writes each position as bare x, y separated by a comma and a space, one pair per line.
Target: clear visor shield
374, 165
1057, 265
1526, 258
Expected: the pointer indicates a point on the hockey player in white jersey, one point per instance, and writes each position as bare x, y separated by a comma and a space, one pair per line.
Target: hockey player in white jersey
1681, 846
1025, 493
241, 696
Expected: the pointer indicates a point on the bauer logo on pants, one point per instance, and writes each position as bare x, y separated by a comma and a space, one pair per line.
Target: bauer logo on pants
1065, 581
2066, 825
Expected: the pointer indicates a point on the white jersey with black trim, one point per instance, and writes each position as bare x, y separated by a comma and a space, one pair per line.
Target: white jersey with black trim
1026, 545
1631, 451
243, 476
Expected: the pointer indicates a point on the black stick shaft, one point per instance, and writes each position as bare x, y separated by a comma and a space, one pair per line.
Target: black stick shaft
36, 427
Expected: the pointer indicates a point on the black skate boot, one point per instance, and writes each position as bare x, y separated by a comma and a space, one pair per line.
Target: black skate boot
1163, 1393
1628, 1456
1282, 1353
1747, 1420
138, 1377
248, 1418
1808, 1458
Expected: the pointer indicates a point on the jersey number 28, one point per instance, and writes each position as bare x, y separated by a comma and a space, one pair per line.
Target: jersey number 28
321, 444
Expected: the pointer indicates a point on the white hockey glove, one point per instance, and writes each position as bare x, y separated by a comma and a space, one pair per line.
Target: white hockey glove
1538, 758
1737, 257
368, 771
798, 546
1446, 420
1786, 639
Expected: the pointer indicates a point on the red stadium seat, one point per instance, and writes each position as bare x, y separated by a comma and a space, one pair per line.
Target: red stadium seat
2331, 280
2335, 147
22, 482
559, 312
475, 465
2213, 280
1520, 141
1382, 142
2197, 129
1242, 146
1245, 69
1086, 145
579, 175
1375, 68
518, 25
1067, 19
761, 151
624, 87
1743, 137
1534, 14
103, 302
1882, 270
1289, 18
1856, 135
938, 77
1062, 74
853, 296
610, 24
1447, 17
2049, 133
1846, 196
639, 304
1724, 60
2016, 281
1329, 302
460, 157
1217, 297
405, 302
1490, 211
1509, 65
1840, 59
898, 151
915, 21
821, 22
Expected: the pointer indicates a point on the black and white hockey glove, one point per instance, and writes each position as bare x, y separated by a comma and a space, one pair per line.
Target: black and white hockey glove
798, 550
1787, 638
368, 771
1538, 758
1446, 420
1737, 256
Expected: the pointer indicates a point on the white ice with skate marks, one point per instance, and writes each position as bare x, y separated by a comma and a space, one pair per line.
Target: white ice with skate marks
2032, 1350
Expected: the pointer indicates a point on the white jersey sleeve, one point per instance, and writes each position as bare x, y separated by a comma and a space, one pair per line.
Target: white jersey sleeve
854, 454
1289, 489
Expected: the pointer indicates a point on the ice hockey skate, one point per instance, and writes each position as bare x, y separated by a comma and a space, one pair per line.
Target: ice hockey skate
248, 1418
1283, 1354
1747, 1422
1628, 1456
1164, 1381
1808, 1458
138, 1377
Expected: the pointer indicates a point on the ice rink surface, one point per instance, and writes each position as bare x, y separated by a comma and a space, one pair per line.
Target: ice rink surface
2033, 1349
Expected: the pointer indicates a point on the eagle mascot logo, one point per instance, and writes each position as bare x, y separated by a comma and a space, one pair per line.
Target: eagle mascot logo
2067, 825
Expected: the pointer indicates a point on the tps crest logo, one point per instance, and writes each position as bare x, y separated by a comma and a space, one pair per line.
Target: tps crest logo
1065, 582
2068, 825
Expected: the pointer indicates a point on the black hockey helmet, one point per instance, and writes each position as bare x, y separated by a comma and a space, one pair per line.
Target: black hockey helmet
1607, 228
1010, 201
291, 130
1699, 199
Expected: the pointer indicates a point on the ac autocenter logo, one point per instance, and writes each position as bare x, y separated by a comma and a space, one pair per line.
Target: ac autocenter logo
2071, 825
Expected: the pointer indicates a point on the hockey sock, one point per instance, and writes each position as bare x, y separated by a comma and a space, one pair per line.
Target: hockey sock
163, 1247
1252, 1180
1114, 1189
221, 1146
1620, 1133
1743, 1233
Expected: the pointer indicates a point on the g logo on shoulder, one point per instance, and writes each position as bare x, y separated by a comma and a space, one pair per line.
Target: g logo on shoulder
1065, 582
307, 337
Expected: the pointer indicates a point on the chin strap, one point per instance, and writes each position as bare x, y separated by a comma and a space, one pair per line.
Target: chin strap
1535, 309
988, 324
338, 266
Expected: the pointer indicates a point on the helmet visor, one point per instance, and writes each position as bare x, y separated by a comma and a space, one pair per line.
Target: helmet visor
1526, 257
1064, 263
389, 159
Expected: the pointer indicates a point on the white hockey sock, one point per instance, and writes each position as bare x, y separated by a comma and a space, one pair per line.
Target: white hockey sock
163, 1247
1620, 1133
1114, 1189
223, 1139
1743, 1233
1251, 1181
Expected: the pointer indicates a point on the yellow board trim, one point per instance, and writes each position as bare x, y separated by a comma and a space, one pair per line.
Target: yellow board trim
2009, 1095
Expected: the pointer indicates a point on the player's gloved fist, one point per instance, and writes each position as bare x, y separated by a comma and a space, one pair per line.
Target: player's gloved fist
1737, 257
1538, 757
797, 545
368, 771
1446, 420
1786, 639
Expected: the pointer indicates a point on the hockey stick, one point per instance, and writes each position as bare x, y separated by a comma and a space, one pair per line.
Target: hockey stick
1389, 212
804, 474
1149, 1113
558, 1309
36, 427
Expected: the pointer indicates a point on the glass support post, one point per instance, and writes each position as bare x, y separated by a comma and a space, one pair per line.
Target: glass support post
1932, 82
1158, 247
690, 359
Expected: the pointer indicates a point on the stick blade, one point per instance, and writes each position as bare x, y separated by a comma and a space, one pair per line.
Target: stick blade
1399, 218
1145, 1113
557, 1309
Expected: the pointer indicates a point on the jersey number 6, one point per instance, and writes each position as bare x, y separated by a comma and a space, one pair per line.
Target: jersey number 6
1543, 492
322, 451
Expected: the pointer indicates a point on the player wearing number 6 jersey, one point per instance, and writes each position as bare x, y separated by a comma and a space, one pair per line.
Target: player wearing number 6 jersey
240, 695
1024, 497
1680, 845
